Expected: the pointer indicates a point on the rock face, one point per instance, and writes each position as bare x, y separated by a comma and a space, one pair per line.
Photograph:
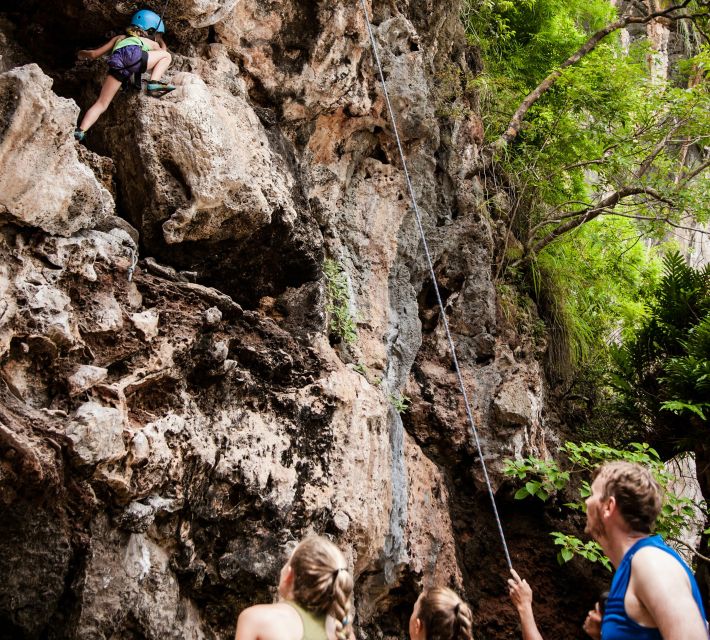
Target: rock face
38, 158
173, 419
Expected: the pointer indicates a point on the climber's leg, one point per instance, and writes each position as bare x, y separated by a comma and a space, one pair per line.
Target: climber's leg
108, 91
158, 63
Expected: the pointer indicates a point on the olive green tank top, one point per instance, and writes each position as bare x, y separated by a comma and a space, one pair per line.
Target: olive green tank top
129, 41
313, 626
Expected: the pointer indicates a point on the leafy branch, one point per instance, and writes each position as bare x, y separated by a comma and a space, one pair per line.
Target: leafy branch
544, 479
673, 13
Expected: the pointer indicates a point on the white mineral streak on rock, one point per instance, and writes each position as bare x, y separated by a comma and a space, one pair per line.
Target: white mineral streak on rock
395, 548
120, 570
42, 181
658, 35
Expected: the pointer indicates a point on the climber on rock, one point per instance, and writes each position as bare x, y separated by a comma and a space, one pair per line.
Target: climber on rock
440, 614
653, 595
315, 589
131, 55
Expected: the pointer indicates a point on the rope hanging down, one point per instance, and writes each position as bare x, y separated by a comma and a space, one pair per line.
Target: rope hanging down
435, 283
165, 6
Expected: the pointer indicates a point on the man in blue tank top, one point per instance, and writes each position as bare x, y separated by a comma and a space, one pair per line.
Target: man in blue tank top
653, 594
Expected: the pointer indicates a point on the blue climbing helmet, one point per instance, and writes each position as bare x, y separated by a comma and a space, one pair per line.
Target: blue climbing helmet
148, 21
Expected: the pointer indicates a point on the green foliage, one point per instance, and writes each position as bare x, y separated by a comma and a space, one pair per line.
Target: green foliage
342, 323
400, 402
544, 479
606, 124
664, 367
573, 546
590, 285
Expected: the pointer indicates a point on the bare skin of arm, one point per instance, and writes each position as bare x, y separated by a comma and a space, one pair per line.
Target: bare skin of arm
521, 595
92, 54
659, 595
160, 42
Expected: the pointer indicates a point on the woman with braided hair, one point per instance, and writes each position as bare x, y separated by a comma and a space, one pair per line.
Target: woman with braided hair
315, 589
439, 614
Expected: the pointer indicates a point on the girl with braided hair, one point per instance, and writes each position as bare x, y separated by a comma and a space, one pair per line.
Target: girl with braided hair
439, 614
315, 589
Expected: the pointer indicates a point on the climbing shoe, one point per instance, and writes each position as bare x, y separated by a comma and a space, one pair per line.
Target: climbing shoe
159, 89
79, 135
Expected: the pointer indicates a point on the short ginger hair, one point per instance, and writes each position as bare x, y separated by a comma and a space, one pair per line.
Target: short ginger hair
638, 496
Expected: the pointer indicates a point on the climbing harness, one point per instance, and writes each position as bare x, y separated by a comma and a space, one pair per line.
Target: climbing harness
420, 226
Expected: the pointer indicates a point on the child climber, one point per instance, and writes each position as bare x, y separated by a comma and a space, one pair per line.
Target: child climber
131, 54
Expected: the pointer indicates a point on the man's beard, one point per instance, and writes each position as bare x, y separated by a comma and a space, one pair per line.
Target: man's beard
595, 526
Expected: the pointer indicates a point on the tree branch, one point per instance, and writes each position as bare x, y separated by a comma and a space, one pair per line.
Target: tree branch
582, 217
516, 121
666, 220
694, 173
687, 546
662, 144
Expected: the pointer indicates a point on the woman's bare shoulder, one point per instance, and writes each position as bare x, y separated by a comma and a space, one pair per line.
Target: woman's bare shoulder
273, 620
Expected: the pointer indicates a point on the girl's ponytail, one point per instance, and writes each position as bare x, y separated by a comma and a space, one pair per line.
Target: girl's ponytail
463, 623
322, 583
444, 615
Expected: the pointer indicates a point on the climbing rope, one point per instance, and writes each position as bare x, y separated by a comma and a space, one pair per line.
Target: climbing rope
165, 6
435, 283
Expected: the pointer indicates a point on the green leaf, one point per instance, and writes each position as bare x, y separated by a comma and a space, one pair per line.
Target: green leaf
521, 493
533, 486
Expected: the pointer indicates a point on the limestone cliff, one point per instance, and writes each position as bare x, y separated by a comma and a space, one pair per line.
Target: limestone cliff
175, 409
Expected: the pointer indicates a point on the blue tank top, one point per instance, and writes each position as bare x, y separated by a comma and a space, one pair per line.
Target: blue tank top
616, 624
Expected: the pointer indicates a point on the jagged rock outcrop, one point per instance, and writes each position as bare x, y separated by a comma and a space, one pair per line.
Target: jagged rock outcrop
170, 425
37, 159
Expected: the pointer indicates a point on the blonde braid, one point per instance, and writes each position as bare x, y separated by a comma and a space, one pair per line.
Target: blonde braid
463, 626
340, 609
444, 615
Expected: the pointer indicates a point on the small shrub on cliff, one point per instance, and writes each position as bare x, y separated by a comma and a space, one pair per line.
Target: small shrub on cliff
400, 402
342, 324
